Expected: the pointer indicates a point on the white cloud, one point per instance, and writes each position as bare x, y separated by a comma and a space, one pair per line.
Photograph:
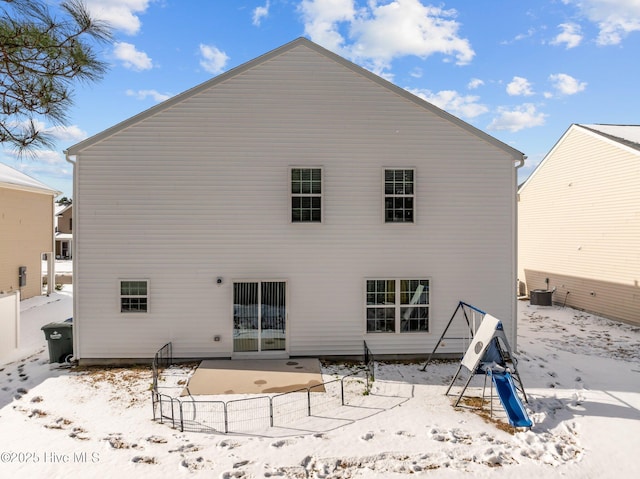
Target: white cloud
615, 18
465, 106
144, 94
474, 83
519, 87
213, 60
46, 165
259, 13
516, 119
566, 85
521, 36
571, 35
380, 32
51, 158
42, 162
322, 18
71, 133
132, 58
120, 14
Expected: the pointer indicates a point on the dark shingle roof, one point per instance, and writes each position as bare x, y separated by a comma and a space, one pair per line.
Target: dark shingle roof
628, 135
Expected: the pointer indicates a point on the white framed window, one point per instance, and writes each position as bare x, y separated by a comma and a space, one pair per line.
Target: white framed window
306, 195
399, 195
397, 305
134, 295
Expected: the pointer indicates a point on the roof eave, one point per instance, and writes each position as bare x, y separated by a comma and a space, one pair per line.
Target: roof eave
30, 189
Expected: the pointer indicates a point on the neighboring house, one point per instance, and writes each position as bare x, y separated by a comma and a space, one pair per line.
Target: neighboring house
292, 206
579, 221
26, 237
26, 226
64, 231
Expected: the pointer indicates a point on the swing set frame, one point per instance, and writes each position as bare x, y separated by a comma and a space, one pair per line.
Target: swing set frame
471, 324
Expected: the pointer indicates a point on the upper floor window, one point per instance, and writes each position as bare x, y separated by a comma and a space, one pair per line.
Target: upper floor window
306, 195
134, 296
399, 196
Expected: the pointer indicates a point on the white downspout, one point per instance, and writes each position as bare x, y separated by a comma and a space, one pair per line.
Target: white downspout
74, 263
514, 313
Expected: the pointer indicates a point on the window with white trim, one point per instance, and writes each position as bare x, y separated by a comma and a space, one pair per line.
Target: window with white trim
397, 305
134, 296
399, 195
306, 195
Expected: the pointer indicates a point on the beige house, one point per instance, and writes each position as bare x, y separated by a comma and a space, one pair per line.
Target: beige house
26, 223
579, 221
64, 231
292, 206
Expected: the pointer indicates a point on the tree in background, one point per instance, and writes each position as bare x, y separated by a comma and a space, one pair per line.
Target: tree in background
40, 57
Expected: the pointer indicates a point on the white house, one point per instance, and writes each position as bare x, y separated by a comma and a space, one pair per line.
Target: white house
292, 206
579, 215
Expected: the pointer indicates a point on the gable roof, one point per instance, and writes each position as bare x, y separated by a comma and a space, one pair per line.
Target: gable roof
78, 147
61, 209
12, 178
627, 135
623, 136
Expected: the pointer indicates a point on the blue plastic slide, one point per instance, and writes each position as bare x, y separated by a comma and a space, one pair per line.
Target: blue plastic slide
511, 403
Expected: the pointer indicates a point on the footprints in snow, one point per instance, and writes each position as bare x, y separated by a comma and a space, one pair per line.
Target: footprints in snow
370, 435
454, 436
60, 423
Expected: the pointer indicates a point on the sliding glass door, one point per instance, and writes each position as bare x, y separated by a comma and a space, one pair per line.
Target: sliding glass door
259, 316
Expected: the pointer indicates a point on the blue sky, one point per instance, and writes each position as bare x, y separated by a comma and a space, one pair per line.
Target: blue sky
520, 70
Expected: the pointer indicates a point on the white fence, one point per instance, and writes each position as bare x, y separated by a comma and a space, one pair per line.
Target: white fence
9, 323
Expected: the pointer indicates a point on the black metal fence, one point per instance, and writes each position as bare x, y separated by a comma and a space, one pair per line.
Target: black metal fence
259, 412
369, 363
162, 359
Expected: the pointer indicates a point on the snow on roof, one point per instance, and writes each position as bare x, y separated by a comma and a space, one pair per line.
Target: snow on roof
17, 179
626, 134
59, 209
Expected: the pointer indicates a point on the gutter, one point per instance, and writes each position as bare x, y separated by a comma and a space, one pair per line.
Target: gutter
74, 261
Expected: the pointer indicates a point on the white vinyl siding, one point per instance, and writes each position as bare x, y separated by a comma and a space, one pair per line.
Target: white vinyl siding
169, 198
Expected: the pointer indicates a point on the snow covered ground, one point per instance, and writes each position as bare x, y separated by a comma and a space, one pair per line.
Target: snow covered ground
581, 373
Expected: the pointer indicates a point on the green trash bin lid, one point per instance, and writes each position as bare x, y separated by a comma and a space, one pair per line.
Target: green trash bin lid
63, 330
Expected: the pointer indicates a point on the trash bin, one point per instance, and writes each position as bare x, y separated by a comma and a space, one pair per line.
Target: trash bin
541, 297
60, 339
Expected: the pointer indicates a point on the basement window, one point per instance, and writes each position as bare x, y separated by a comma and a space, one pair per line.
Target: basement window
134, 296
